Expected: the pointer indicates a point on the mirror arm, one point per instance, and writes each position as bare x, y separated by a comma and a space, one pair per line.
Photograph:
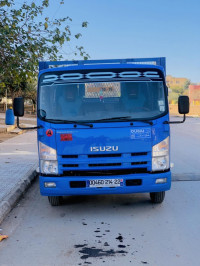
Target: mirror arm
175, 122
26, 128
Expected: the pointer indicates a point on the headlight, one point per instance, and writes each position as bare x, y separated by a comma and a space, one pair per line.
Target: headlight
48, 159
49, 167
160, 156
46, 152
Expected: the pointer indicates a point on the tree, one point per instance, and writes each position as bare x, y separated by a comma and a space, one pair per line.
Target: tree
1, 93
31, 90
177, 89
173, 97
186, 85
27, 37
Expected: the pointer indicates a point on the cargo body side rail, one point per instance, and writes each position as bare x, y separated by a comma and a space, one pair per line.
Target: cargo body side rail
159, 61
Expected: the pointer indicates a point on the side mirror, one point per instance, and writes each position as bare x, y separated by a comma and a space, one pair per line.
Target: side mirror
183, 105
18, 106
183, 108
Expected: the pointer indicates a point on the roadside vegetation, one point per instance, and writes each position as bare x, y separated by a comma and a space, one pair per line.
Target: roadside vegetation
176, 91
27, 36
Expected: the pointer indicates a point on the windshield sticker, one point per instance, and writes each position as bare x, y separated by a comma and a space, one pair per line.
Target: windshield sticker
161, 104
141, 133
162, 108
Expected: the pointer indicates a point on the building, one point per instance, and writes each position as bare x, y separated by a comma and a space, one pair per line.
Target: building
175, 82
194, 94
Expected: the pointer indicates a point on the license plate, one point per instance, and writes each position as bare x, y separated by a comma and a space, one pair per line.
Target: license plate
105, 183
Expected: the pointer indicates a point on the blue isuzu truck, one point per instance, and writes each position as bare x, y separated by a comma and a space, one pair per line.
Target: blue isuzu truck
103, 127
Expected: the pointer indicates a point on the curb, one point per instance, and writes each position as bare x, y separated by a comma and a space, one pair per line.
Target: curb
11, 199
10, 128
7, 129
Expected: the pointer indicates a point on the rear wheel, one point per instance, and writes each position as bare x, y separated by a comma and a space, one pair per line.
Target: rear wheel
157, 197
54, 200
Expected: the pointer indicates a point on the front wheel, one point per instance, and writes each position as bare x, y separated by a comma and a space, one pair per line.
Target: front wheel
157, 197
54, 200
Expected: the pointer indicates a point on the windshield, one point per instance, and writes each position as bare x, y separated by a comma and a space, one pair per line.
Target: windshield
102, 100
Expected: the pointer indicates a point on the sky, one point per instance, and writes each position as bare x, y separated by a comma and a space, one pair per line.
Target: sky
137, 28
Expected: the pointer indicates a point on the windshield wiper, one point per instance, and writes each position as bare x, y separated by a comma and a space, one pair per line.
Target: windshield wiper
128, 118
113, 118
59, 121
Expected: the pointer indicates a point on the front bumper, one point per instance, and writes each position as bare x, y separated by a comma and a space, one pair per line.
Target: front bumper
63, 185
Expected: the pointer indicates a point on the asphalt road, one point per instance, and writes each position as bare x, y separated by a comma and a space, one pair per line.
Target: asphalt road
185, 149
116, 229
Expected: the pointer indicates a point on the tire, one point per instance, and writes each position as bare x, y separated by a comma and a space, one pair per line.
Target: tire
157, 197
54, 200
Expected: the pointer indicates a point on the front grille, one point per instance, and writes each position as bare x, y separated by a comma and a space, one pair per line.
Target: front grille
138, 153
104, 155
70, 165
104, 164
106, 172
138, 163
106, 161
69, 156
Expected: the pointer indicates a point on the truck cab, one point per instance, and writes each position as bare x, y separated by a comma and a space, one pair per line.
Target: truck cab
103, 128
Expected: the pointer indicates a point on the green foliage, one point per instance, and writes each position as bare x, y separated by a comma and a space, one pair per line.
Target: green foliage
31, 90
176, 91
1, 93
85, 24
186, 85
26, 37
179, 90
173, 97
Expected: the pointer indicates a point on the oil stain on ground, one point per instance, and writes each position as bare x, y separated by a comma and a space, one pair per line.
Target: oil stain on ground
87, 252
120, 238
97, 252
